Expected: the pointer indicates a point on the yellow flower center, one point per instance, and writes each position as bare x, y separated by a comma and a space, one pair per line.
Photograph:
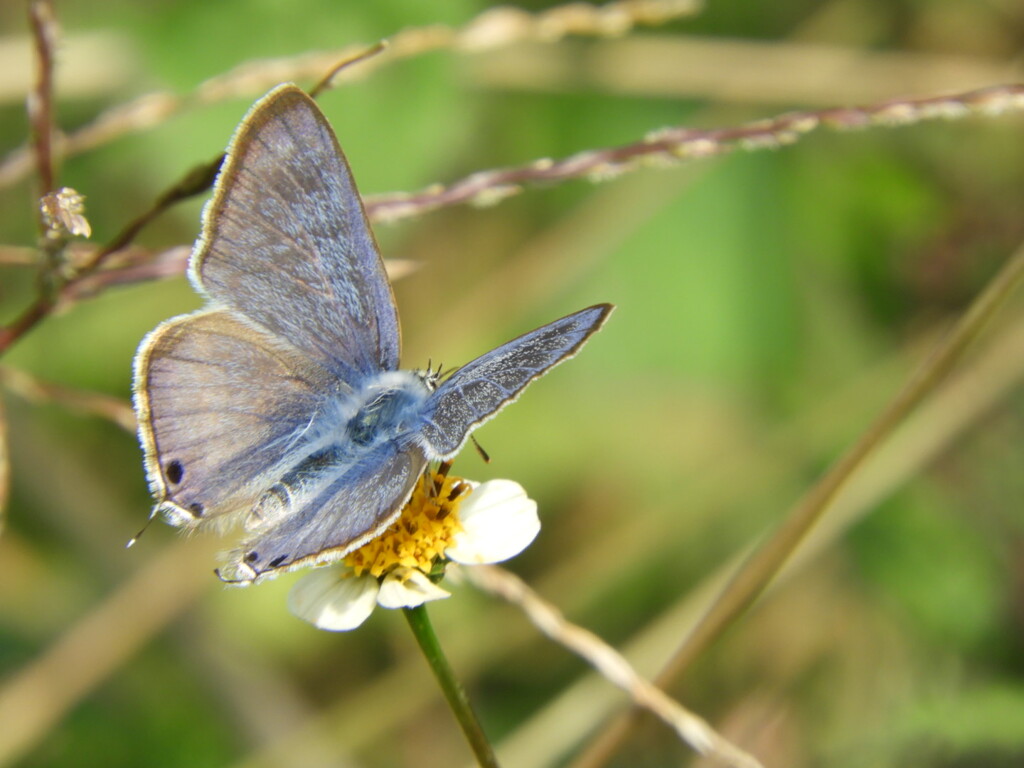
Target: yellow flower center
420, 536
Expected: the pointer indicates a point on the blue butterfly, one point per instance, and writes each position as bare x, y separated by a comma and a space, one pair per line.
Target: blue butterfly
280, 403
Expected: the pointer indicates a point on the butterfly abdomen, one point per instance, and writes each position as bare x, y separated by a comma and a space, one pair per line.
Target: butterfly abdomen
302, 480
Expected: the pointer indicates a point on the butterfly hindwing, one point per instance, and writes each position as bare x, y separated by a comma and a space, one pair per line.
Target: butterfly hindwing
362, 498
286, 242
219, 403
478, 390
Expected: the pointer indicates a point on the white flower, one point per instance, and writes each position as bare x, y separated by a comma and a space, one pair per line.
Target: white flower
494, 521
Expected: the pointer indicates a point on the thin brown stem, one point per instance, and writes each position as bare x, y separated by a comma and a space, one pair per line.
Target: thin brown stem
613, 666
493, 28
668, 146
679, 144
40, 98
327, 81
195, 182
36, 390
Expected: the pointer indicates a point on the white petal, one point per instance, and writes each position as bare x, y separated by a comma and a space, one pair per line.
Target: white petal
415, 590
327, 600
498, 522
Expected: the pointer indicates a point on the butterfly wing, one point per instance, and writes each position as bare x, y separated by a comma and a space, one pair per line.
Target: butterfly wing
248, 401
477, 391
357, 505
301, 313
219, 402
286, 242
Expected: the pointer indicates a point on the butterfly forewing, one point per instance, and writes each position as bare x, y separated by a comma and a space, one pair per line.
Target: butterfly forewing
287, 244
477, 391
219, 403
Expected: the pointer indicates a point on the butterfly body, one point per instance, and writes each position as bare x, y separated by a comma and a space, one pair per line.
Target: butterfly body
280, 406
385, 411
390, 408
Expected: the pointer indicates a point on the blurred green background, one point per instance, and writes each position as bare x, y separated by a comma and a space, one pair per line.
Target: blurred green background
769, 305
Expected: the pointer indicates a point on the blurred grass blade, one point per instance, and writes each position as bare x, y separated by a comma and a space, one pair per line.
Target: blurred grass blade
766, 561
5, 467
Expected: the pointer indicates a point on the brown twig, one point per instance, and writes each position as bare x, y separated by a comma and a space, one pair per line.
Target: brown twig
494, 28
690, 728
40, 99
673, 145
665, 147
201, 178
36, 390
18, 256
195, 182
39, 106
327, 81
134, 265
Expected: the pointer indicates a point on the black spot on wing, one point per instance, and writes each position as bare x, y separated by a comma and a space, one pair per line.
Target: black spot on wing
174, 471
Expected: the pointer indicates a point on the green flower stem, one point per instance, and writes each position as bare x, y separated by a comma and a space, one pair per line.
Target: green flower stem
421, 627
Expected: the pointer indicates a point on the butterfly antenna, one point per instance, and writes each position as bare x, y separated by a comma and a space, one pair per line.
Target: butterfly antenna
479, 449
137, 536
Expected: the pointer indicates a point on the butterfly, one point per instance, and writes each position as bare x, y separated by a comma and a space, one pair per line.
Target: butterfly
280, 404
